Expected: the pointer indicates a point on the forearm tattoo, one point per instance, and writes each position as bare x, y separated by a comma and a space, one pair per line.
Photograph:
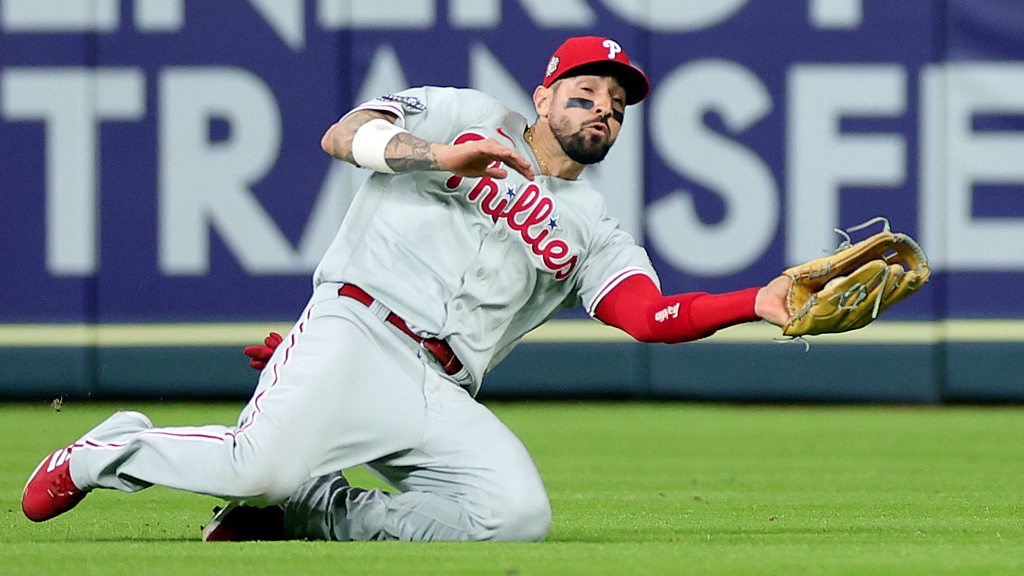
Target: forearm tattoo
406, 152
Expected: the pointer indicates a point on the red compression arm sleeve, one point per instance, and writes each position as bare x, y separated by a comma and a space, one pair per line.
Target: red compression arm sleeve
637, 307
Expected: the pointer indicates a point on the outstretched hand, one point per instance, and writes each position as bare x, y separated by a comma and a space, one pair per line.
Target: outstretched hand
481, 158
260, 355
770, 303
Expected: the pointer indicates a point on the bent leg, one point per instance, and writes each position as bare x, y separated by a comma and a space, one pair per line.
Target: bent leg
470, 479
126, 453
341, 390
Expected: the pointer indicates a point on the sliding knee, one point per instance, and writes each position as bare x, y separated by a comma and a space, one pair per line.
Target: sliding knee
524, 519
268, 483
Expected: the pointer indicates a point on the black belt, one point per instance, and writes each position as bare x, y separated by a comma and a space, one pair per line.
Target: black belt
450, 363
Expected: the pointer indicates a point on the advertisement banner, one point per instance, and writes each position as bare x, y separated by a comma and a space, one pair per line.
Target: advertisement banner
160, 160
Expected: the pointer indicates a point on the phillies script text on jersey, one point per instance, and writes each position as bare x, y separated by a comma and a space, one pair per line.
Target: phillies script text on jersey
529, 212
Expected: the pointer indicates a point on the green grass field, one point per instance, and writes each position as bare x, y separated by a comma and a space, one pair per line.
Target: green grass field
636, 488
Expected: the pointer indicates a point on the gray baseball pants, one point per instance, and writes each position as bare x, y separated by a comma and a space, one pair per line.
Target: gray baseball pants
343, 389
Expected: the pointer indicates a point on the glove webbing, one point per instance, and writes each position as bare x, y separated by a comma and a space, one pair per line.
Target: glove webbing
848, 243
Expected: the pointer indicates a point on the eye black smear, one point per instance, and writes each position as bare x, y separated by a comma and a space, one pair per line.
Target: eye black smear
586, 104
579, 103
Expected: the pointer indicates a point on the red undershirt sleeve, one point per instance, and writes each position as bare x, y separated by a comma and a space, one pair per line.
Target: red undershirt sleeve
637, 307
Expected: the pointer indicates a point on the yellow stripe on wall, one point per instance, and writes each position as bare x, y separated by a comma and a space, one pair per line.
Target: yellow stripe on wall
135, 335
558, 331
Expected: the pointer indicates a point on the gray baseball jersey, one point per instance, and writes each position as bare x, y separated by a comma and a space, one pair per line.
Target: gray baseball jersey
477, 262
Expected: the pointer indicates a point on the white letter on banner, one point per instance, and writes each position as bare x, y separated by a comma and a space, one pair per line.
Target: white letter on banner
737, 175
955, 158
376, 14
204, 184
470, 14
675, 15
545, 13
821, 159
287, 18
836, 14
45, 16
72, 102
159, 15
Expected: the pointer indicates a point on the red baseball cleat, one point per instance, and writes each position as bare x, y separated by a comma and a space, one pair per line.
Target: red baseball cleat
239, 523
50, 491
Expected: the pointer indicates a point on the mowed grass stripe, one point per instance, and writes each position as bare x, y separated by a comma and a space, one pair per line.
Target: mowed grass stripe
637, 488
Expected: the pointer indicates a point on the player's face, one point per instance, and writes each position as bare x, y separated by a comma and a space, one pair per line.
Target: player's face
586, 115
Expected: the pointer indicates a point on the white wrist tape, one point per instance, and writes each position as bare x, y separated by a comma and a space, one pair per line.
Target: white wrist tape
370, 141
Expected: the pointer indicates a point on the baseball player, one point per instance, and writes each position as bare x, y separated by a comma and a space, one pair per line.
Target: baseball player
473, 230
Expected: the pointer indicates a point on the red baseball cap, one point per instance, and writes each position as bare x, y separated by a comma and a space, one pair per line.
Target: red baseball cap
581, 54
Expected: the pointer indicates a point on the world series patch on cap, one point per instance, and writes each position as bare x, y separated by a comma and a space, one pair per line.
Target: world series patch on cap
583, 54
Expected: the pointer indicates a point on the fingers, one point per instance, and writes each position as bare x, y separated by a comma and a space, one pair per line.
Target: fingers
494, 151
496, 172
260, 355
256, 351
514, 161
273, 340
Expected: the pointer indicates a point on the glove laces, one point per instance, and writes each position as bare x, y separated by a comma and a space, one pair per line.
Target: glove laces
860, 290
848, 242
793, 340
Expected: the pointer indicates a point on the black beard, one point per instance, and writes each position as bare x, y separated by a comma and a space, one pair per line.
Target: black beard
582, 152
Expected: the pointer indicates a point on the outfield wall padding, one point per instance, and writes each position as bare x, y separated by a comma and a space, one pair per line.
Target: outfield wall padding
863, 373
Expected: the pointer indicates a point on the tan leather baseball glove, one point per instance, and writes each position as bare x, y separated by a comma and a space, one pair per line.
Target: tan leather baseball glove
850, 288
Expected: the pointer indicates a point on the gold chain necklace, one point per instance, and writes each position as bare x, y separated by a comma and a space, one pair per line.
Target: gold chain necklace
529, 140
